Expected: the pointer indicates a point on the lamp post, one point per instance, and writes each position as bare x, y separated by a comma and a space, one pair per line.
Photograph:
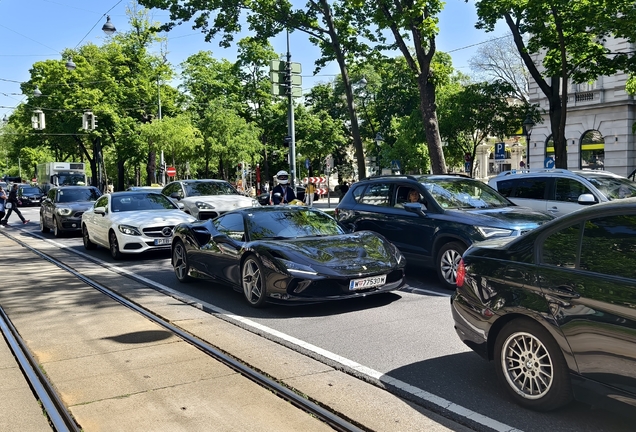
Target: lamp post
379, 139
528, 124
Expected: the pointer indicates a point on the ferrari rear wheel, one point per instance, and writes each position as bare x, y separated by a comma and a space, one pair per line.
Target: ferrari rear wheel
253, 282
180, 262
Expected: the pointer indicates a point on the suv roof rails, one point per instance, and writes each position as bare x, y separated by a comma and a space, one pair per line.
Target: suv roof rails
408, 176
534, 170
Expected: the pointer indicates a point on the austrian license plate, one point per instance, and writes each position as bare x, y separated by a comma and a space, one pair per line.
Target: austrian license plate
162, 241
370, 282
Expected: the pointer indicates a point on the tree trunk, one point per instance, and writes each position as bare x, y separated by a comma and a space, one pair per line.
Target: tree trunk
151, 168
428, 108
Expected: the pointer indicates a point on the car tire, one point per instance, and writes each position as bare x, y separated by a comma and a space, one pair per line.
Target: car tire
525, 352
447, 262
180, 262
252, 282
57, 232
88, 244
113, 245
43, 227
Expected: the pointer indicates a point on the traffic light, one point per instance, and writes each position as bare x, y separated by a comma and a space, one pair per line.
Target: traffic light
93, 122
89, 121
37, 120
287, 141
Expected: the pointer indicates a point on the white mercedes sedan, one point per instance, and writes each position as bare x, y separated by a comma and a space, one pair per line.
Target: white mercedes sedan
131, 222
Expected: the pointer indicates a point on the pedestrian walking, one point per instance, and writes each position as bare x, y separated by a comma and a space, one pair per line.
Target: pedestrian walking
3, 200
310, 190
12, 206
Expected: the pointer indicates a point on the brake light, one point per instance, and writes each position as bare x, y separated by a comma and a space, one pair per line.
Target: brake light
461, 273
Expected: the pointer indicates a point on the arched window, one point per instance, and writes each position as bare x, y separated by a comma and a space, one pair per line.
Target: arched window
592, 151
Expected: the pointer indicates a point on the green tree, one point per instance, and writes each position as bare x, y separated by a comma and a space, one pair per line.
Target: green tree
476, 112
570, 39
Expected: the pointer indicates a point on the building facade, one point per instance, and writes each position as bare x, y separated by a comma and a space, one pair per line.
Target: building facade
599, 123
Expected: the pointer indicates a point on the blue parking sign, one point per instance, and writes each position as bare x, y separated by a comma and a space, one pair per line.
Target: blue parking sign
500, 151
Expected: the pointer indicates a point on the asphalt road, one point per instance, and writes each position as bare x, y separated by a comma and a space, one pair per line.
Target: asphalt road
407, 336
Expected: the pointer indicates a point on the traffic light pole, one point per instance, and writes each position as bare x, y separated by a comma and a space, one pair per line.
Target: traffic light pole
290, 125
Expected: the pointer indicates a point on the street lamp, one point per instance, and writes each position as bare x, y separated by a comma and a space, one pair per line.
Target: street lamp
108, 27
37, 92
70, 65
379, 139
528, 124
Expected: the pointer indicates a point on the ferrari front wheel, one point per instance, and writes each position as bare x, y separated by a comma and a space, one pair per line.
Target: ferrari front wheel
180, 262
252, 280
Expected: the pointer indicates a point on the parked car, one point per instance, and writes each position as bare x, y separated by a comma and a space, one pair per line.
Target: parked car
62, 208
30, 195
286, 254
131, 222
561, 191
452, 213
555, 308
207, 199
632, 175
263, 199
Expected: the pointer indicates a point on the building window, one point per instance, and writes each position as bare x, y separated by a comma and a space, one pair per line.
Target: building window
592, 151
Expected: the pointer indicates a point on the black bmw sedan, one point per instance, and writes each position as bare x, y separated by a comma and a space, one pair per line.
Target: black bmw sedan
286, 254
556, 308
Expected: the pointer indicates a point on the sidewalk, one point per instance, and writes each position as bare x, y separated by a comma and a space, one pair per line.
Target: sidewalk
117, 371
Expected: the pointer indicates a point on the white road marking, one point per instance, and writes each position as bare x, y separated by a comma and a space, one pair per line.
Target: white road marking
364, 370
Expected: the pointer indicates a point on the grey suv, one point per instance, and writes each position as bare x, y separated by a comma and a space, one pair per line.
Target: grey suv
561, 191
434, 227
62, 208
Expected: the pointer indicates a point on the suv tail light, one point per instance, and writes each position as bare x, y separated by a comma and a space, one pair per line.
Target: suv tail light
461, 273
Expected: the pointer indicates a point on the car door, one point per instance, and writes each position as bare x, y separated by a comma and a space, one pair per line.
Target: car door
223, 255
411, 232
526, 191
565, 198
373, 210
588, 274
100, 224
48, 207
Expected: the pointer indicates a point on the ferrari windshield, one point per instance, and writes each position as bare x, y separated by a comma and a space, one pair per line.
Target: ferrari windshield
141, 201
463, 193
210, 188
290, 223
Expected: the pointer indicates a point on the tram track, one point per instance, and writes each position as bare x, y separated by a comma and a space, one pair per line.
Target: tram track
61, 418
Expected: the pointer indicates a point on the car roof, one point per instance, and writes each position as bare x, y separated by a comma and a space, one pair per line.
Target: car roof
418, 177
200, 181
74, 187
557, 172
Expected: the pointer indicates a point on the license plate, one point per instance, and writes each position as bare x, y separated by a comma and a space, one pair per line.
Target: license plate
162, 241
370, 282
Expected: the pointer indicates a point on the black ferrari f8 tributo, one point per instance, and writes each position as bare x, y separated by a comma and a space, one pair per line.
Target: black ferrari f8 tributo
286, 254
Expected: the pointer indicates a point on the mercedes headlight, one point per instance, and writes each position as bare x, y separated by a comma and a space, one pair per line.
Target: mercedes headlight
297, 269
489, 232
63, 211
203, 205
128, 230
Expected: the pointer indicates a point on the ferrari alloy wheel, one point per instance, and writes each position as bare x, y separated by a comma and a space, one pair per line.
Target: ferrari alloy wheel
114, 246
448, 259
57, 232
531, 367
253, 283
43, 227
88, 244
180, 262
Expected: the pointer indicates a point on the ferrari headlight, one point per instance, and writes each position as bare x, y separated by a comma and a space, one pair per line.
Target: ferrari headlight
297, 269
203, 205
489, 232
128, 230
63, 211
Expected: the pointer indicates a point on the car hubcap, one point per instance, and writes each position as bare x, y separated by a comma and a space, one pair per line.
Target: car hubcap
252, 281
449, 263
527, 365
180, 263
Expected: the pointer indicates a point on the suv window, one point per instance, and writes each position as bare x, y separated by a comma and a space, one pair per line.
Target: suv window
377, 194
568, 190
528, 188
357, 193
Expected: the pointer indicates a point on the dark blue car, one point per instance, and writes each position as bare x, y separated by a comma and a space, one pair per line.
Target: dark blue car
447, 215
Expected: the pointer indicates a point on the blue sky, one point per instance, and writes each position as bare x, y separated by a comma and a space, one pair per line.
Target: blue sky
37, 30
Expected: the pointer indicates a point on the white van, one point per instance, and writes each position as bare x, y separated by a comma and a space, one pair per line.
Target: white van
560, 191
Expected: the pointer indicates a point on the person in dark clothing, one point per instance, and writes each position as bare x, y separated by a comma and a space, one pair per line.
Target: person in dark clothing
3, 200
12, 204
344, 188
287, 195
